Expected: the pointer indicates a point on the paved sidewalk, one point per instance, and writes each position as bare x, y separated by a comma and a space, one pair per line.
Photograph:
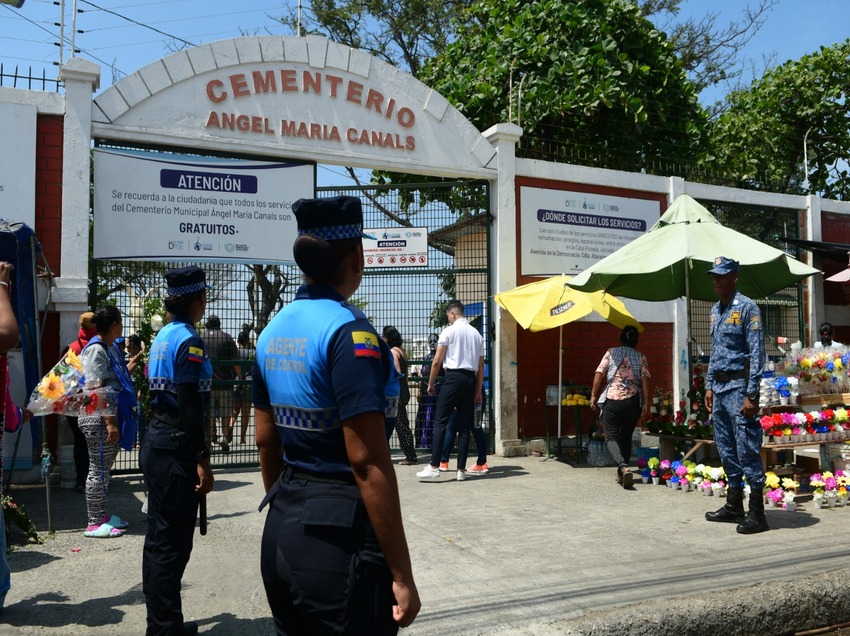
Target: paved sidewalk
536, 547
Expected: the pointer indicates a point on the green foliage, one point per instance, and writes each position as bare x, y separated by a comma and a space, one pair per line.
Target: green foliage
594, 76
403, 33
759, 140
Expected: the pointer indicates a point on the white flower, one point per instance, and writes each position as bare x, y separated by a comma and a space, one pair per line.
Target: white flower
156, 322
653, 410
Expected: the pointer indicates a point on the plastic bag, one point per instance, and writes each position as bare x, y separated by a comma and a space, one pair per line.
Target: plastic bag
63, 391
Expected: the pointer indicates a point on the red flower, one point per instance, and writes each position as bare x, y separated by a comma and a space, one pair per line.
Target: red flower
91, 403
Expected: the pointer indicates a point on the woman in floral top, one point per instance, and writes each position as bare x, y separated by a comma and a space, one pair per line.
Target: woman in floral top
624, 374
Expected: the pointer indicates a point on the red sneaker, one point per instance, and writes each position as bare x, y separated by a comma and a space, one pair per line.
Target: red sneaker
478, 470
444, 467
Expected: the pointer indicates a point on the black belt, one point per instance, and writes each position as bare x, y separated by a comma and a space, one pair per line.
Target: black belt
727, 376
300, 473
467, 371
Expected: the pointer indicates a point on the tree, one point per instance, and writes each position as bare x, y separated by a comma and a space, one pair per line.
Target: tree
797, 113
709, 53
593, 77
403, 33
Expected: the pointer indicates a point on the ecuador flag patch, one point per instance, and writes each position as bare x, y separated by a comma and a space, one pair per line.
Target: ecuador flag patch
366, 345
196, 354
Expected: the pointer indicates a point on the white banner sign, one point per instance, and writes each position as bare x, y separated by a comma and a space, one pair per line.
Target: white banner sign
17, 162
565, 232
166, 207
396, 247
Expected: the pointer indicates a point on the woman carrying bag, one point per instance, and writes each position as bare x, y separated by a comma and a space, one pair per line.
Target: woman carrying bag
624, 373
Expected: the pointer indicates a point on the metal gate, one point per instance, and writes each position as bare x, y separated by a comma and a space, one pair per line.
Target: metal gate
411, 297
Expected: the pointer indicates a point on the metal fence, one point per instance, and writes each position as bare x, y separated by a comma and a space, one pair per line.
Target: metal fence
410, 297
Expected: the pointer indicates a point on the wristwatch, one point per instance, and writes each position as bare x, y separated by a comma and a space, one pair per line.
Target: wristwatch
753, 397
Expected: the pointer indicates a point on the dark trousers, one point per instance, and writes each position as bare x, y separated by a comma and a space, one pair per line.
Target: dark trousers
477, 433
457, 392
171, 475
322, 568
620, 417
81, 452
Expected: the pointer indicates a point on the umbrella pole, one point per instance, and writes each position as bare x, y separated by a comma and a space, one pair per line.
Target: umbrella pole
688, 314
560, 379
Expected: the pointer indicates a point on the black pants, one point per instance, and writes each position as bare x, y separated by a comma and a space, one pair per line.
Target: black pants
457, 391
620, 417
171, 475
322, 568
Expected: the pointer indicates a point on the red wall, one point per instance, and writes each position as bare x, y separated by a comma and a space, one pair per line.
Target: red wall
835, 228
48, 230
584, 345
48, 189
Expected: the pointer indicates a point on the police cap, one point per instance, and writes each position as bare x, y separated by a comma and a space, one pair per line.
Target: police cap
332, 219
723, 266
185, 280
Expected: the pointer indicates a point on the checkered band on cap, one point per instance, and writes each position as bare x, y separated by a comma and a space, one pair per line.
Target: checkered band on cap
335, 232
186, 289
317, 420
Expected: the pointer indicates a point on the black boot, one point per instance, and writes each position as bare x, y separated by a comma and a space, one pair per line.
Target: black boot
733, 511
756, 520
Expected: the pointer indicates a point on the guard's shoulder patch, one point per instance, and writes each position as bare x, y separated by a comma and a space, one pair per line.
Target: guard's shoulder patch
755, 323
196, 354
366, 345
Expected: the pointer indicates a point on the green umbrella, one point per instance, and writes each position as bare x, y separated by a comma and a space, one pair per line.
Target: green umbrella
671, 260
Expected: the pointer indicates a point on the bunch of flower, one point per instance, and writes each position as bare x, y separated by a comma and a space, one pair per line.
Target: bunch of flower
661, 412
666, 469
817, 483
805, 425
777, 495
698, 419
652, 466
65, 390
817, 371
14, 514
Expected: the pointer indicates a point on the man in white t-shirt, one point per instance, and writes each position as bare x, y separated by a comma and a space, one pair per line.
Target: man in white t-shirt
460, 351
826, 341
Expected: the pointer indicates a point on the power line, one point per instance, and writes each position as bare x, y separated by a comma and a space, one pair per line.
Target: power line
136, 22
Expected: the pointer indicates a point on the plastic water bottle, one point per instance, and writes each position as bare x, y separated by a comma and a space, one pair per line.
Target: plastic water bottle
479, 415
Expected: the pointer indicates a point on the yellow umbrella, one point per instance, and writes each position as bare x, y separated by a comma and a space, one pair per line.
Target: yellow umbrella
550, 303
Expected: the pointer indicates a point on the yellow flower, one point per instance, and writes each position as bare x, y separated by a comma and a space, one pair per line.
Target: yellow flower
838, 364
73, 360
841, 415
805, 363
789, 484
52, 387
771, 479
826, 474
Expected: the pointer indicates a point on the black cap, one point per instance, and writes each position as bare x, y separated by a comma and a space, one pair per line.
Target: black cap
332, 219
723, 266
213, 322
185, 280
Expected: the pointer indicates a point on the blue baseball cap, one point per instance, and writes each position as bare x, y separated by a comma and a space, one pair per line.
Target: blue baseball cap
723, 266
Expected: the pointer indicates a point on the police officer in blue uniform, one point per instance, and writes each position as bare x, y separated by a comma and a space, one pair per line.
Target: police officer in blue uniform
732, 397
175, 457
334, 555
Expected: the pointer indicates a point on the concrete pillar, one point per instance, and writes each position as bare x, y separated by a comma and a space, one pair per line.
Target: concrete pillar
503, 268
70, 297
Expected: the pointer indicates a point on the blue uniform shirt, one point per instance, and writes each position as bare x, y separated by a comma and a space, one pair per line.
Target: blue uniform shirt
319, 362
177, 356
737, 342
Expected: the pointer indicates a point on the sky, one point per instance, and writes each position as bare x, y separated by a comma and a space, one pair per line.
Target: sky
125, 35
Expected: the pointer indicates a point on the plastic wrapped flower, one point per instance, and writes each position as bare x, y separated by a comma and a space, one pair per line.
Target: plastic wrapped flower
156, 322
805, 363
51, 387
72, 359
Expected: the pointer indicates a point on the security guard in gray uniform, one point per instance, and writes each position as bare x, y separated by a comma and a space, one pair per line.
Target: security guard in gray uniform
732, 396
175, 457
334, 556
